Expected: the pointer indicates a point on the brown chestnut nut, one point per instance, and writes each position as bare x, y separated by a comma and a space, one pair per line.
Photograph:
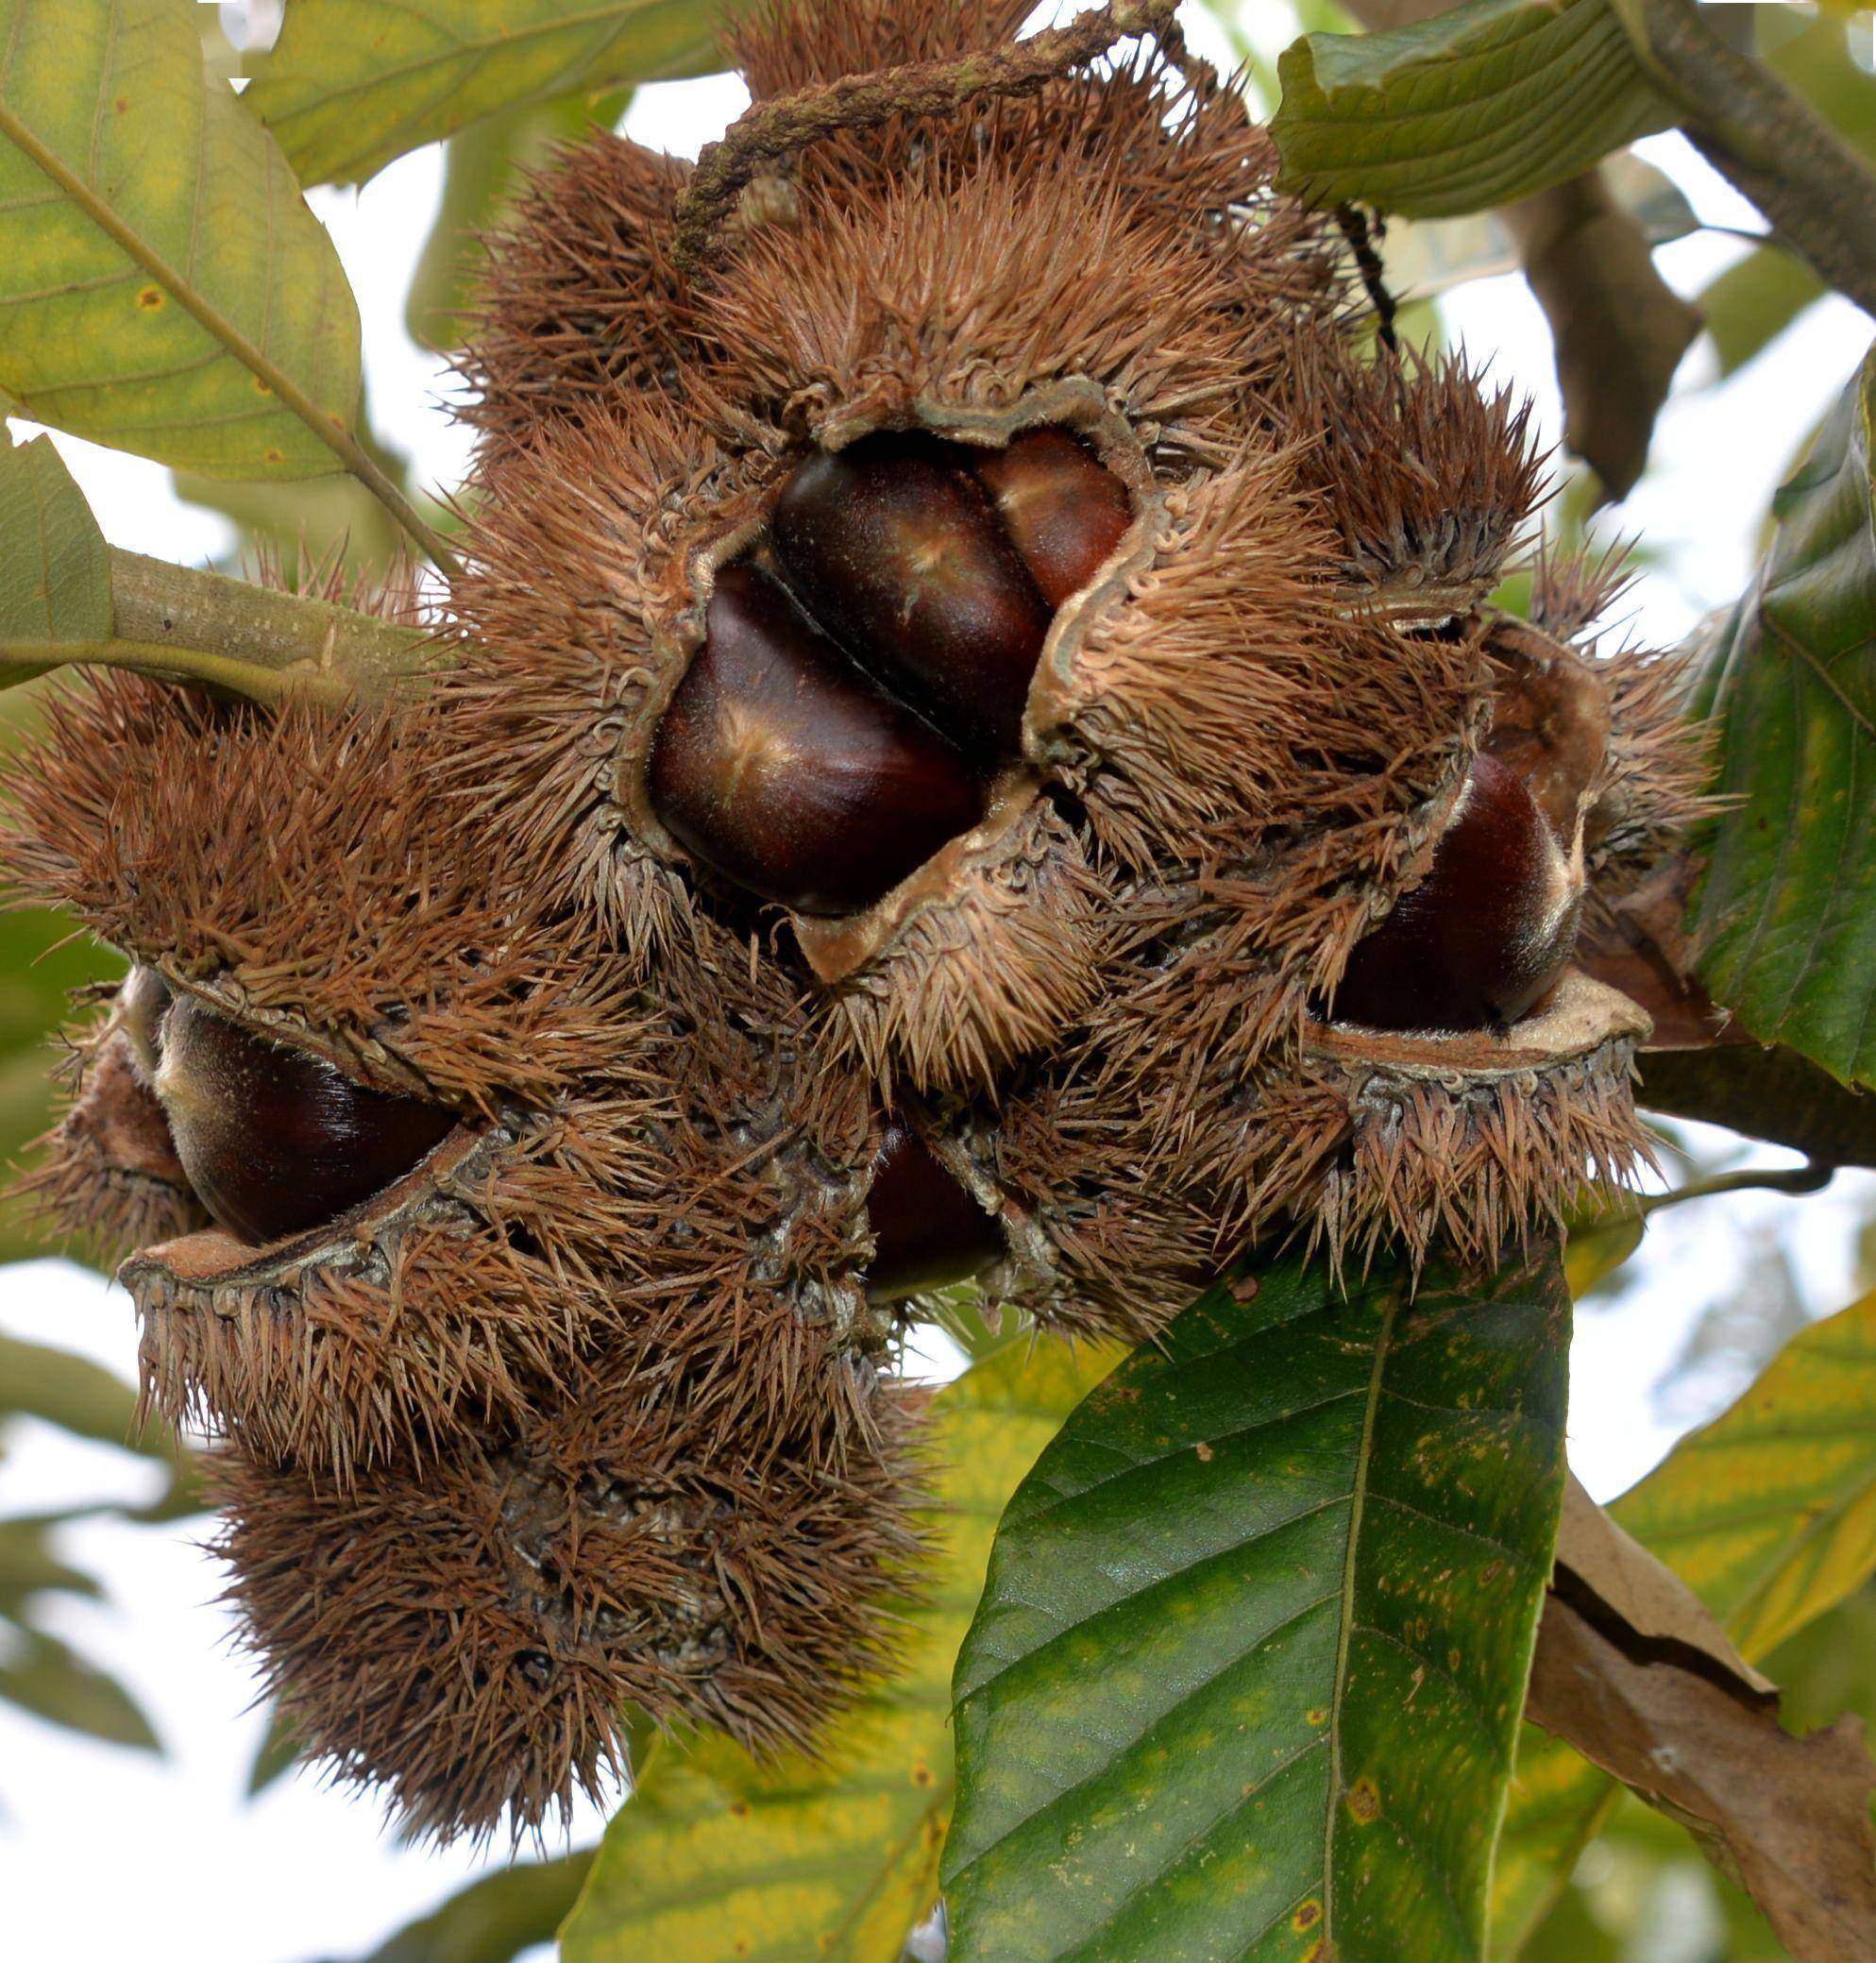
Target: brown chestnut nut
275, 1142
779, 764
1485, 933
928, 1231
893, 546
1065, 512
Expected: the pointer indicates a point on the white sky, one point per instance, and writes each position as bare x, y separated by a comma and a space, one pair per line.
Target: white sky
105, 1853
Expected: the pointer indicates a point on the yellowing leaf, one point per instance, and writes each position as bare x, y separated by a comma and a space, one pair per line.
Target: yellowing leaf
55, 573
1769, 1513
1474, 108
164, 287
1557, 1804
350, 84
1246, 1675
719, 1859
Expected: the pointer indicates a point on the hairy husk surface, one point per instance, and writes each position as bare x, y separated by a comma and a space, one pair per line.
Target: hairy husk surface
593, 1413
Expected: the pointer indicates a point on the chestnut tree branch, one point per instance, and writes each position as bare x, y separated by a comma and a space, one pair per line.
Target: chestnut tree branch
1818, 195
1799, 1180
769, 131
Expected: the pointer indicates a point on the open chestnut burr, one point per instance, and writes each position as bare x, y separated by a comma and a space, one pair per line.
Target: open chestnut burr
848, 709
979, 744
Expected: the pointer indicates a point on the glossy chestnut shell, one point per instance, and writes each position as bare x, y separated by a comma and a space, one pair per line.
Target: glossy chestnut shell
275, 1142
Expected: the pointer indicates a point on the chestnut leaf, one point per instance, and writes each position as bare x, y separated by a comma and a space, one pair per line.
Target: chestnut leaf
1471, 108
1770, 1512
164, 287
1250, 1660
352, 84
55, 574
1786, 914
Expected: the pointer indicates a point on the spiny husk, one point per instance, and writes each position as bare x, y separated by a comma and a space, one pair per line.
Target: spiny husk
779, 47
1427, 478
476, 1639
1406, 1143
106, 1177
367, 1346
1227, 704
989, 952
294, 870
580, 301
1105, 1236
880, 304
722, 1223
581, 597
1660, 768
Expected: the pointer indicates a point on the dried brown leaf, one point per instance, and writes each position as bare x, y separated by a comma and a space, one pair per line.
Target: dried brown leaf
1619, 328
1628, 1581
1632, 1670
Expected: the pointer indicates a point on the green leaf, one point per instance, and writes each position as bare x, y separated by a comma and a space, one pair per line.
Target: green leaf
1251, 1656
68, 1391
164, 287
1474, 108
55, 573
29, 1567
717, 1859
485, 168
79, 1397
1432, 258
1769, 1513
1787, 909
493, 1920
45, 1678
1747, 307
350, 84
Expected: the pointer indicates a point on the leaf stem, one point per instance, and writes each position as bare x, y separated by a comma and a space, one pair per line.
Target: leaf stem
1811, 1177
180, 625
1818, 195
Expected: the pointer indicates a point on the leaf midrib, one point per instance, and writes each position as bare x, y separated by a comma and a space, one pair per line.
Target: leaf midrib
1338, 1691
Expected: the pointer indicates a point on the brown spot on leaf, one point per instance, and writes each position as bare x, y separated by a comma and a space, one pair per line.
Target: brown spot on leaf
1364, 1800
1204, 1451
1307, 1915
149, 298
